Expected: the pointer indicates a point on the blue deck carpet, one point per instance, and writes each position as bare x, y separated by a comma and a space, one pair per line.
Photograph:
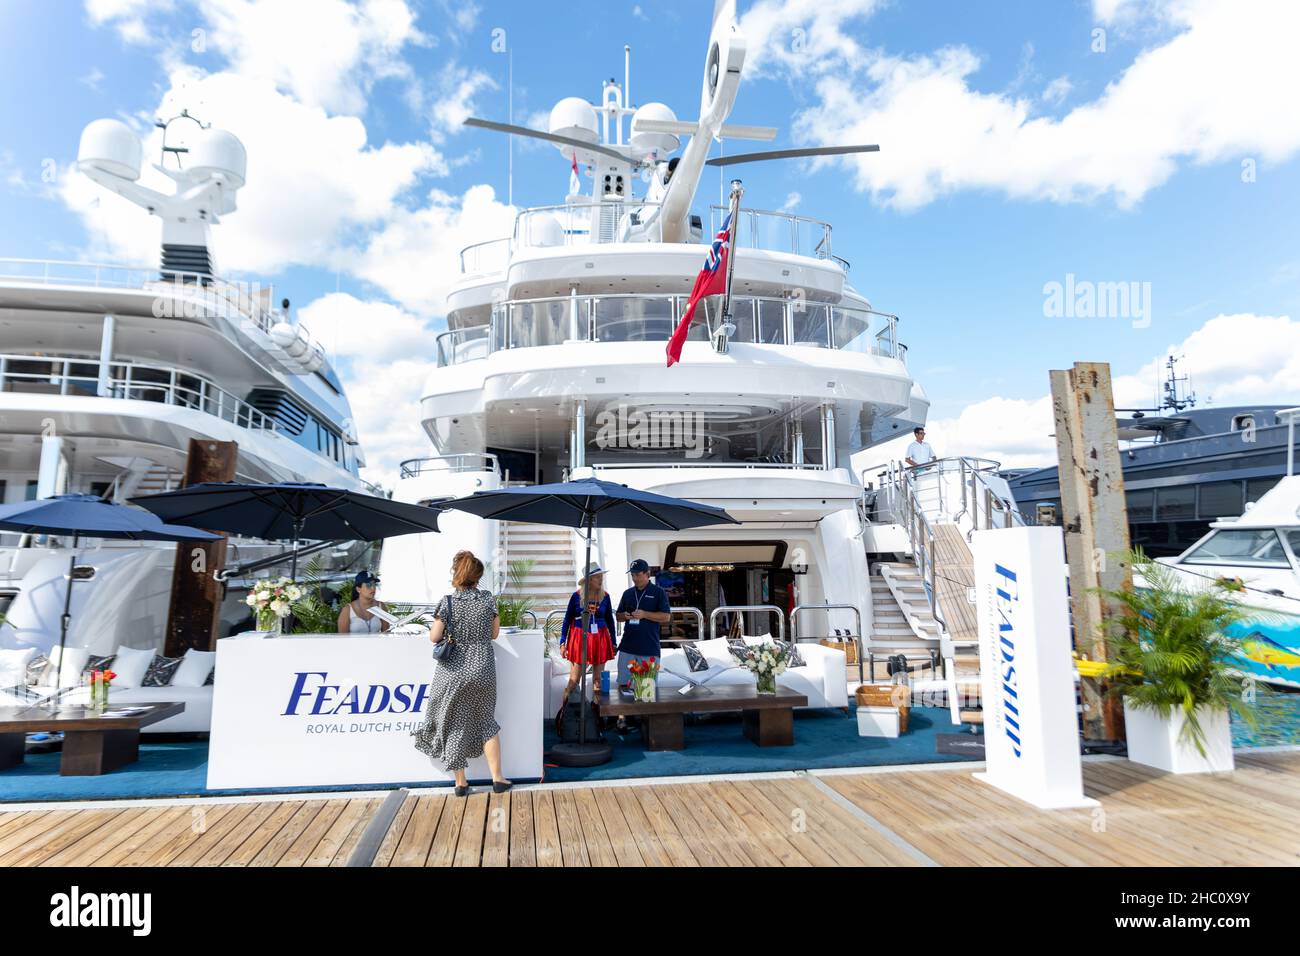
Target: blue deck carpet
823, 739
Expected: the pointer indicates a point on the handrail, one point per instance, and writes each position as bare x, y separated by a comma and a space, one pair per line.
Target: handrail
728, 608
1290, 414
856, 635
699, 616
209, 397
415, 466
818, 245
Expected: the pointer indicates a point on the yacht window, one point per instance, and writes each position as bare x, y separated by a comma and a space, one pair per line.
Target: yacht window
634, 319
1220, 499
809, 324
1256, 547
1256, 488
1241, 423
1175, 503
1140, 505
771, 321
1293, 539
851, 330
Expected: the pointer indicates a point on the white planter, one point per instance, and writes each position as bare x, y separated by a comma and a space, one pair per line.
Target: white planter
1156, 742
877, 722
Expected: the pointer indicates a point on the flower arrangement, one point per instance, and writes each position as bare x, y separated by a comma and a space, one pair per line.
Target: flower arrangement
99, 684
765, 661
644, 674
271, 601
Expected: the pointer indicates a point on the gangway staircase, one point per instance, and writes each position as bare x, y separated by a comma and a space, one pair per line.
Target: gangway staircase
937, 506
551, 576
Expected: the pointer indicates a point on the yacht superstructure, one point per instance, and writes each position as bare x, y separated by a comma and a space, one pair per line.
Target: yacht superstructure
553, 366
108, 372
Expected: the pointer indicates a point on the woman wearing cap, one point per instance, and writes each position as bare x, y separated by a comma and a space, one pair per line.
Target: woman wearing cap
355, 618
599, 639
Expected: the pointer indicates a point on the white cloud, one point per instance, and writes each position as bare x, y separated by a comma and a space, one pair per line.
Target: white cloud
126, 16
414, 256
454, 104
1057, 90
385, 401
802, 36
1219, 89
1235, 359
354, 328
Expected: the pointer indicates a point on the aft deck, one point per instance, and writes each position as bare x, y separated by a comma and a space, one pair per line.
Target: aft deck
937, 815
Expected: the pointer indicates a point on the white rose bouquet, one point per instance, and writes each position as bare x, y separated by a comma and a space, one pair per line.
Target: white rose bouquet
765, 661
271, 600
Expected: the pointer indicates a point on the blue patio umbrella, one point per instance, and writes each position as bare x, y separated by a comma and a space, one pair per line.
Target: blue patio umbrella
589, 503
88, 516
290, 510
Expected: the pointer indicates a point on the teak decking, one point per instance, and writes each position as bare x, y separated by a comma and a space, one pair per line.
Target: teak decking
905, 817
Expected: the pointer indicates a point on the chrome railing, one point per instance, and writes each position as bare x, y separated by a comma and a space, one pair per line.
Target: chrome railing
70, 375
492, 255
740, 608
223, 295
856, 634
778, 232
455, 464
759, 320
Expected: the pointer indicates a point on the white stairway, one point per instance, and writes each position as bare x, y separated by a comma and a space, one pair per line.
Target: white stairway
551, 579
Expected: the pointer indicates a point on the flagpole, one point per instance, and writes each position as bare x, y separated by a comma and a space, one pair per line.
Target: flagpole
727, 326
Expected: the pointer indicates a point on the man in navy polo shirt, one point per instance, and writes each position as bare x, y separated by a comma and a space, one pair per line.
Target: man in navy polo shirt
643, 608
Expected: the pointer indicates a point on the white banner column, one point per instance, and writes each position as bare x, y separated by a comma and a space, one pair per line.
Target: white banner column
1031, 721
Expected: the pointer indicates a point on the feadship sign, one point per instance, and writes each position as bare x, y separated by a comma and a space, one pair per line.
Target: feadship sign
326, 709
1031, 736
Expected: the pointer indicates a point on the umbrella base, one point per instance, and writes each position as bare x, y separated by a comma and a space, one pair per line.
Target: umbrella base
574, 754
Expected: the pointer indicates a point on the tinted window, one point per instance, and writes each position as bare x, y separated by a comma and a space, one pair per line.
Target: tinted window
1175, 503
1222, 499
1140, 504
1259, 547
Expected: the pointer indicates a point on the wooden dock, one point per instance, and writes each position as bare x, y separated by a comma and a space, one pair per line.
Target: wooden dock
924, 816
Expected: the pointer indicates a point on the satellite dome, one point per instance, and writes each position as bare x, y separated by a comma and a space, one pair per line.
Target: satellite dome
544, 230
217, 151
646, 143
110, 146
575, 118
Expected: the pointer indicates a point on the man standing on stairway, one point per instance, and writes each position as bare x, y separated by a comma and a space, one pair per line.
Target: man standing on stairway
919, 451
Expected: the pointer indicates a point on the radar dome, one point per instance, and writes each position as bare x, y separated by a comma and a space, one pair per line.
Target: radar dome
109, 146
217, 151
545, 230
575, 118
646, 143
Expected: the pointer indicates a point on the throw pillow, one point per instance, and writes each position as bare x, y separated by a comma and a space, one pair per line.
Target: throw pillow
738, 648
68, 674
97, 662
14, 664
208, 682
161, 671
36, 670
131, 665
195, 668
695, 658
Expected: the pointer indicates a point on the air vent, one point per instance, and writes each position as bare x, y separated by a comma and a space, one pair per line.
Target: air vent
280, 408
183, 263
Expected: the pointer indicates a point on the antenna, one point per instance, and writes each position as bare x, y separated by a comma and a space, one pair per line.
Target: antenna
1173, 400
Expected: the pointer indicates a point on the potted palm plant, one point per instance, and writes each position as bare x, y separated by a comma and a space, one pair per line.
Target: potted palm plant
1173, 665
512, 606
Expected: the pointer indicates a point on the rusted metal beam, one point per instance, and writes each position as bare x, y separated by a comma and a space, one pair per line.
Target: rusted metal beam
1095, 516
196, 597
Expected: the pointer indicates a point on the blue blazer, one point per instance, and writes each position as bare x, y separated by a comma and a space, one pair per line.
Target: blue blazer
573, 615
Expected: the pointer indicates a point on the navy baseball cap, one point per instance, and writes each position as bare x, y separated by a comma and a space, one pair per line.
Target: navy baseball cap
365, 577
640, 564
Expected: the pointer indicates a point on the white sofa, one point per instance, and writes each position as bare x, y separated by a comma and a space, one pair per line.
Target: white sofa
822, 678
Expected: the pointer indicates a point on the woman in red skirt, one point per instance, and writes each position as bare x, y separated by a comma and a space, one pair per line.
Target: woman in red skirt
599, 639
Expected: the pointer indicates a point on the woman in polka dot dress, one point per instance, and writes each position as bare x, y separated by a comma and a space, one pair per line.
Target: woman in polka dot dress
459, 717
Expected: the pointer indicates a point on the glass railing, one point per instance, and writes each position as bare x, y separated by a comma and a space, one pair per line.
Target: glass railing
226, 296
778, 232
648, 318
594, 223
53, 375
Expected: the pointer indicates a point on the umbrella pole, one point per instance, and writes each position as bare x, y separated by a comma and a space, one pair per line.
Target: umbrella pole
293, 562
583, 752
65, 621
586, 630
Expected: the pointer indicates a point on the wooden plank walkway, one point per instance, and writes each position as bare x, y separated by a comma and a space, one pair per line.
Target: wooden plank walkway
954, 576
906, 817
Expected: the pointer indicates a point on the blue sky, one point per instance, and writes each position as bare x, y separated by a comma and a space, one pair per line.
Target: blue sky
1014, 151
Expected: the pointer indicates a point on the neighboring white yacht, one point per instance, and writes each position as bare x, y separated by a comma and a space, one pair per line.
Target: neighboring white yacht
554, 367
107, 373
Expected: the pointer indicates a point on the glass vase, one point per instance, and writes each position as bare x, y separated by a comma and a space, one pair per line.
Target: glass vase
643, 689
98, 695
766, 683
268, 620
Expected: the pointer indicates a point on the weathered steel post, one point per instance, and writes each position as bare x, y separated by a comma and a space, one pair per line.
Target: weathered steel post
1095, 517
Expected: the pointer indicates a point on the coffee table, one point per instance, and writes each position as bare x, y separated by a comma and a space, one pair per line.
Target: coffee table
93, 743
768, 719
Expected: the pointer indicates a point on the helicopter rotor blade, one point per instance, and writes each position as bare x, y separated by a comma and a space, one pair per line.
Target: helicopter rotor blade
549, 137
789, 154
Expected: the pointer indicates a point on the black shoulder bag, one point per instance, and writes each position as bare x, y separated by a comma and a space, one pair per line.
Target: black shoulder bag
443, 649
